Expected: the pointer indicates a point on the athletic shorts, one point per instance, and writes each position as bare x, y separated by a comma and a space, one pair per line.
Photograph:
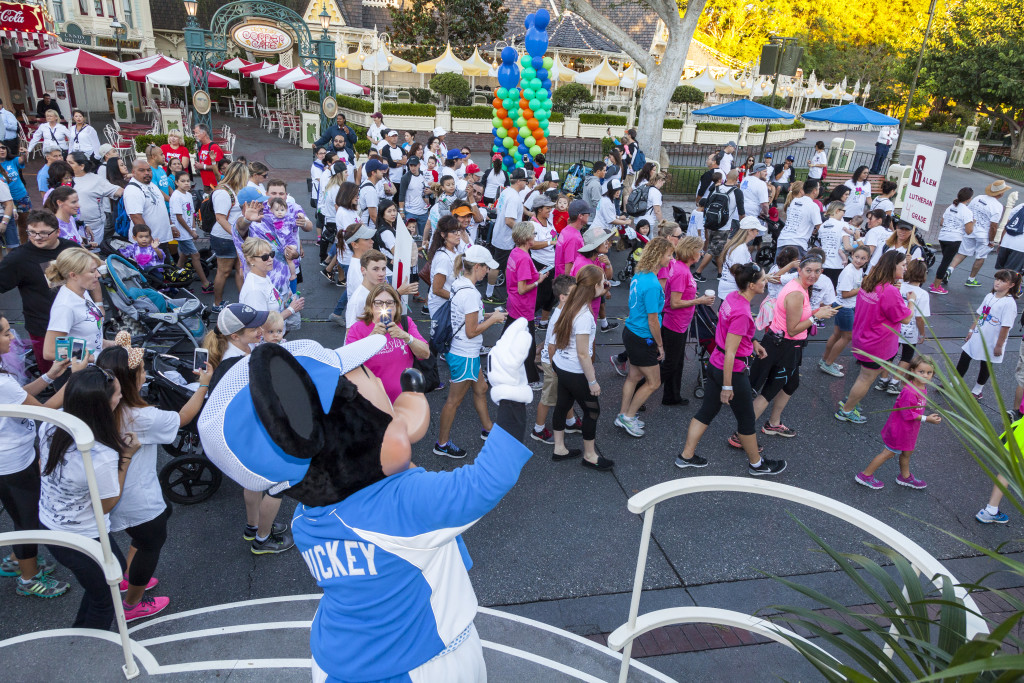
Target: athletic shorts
907, 353
844, 319
222, 247
872, 365
717, 241
975, 246
501, 256
463, 369
187, 247
549, 392
641, 351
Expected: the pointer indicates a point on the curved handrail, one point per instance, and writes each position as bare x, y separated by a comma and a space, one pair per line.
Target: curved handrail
84, 441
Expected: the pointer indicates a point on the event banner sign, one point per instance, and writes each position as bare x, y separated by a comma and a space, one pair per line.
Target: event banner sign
262, 38
926, 171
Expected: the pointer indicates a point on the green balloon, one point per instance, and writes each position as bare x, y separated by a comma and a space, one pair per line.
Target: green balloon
508, 142
540, 115
528, 74
528, 93
535, 104
501, 132
526, 60
544, 125
535, 150
508, 103
530, 142
520, 122
536, 83
502, 93
496, 122
547, 105
548, 62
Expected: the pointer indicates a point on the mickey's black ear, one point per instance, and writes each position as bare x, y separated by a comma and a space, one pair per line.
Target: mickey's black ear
286, 401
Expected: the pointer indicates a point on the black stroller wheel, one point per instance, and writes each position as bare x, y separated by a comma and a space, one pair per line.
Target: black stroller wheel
186, 443
188, 481
765, 256
698, 392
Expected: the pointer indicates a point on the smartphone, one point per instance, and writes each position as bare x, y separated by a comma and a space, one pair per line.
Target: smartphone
78, 351
199, 361
547, 270
837, 305
62, 350
385, 317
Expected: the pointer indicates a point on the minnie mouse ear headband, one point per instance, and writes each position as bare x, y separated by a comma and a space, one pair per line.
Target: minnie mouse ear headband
135, 355
244, 445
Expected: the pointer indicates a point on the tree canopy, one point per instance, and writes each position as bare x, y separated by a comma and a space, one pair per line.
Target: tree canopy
422, 28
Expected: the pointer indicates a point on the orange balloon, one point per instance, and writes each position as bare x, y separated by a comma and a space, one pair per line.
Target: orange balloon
496, 103
538, 135
527, 114
501, 113
524, 103
495, 92
507, 123
533, 124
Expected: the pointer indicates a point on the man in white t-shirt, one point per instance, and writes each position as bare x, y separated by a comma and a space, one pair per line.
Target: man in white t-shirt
755, 191
886, 136
374, 266
393, 156
510, 211
725, 165
819, 161
369, 196
144, 203
802, 219
988, 211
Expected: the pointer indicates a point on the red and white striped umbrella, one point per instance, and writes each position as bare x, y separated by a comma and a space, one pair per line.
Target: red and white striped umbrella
276, 76
269, 71
143, 62
233, 64
78, 62
26, 58
166, 71
246, 70
341, 86
138, 69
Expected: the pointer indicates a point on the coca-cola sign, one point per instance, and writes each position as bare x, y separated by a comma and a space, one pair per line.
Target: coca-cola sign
262, 38
15, 16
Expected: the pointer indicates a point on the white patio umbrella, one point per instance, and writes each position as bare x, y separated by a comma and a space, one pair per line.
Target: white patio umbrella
704, 82
602, 74
633, 79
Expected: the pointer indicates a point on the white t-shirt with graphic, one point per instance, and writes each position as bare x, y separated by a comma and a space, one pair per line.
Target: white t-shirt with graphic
17, 435
583, 323
141, 498
77, 316
466, 301
64, 503
994, 314
922, 308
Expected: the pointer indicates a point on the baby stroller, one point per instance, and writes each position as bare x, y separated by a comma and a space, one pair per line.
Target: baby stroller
576, 176
765, 255
155, 320
702, 333
189, 478
159, 276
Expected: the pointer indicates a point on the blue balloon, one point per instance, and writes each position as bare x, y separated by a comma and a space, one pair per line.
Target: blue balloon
528, 23
523, 149
542, 73
541, 19
538, 62
536, 43
546, 83
509, 55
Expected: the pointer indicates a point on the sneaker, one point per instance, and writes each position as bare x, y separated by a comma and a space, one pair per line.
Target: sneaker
614, 283
894, 388
695, 461
778, 430
153, 581
10, 567
911, 482
328, 275
147, 607
275, 543
820, 324
868, 480
542, 325
449, 449
621, 368
544, 436
494, 300
972, 282
938, 289
985, 517
697, 277
853, 416
612, 325
977, 395
484, 433
766, 468
208, 289
830, 369
249, 534
41, 586
734, 441
217, 308
536, 386
338, 320
629, 424
574, 428
881, 384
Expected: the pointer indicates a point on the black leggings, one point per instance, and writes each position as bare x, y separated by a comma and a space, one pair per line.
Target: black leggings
545, 294
327, 236
949, 250
780, 369
147, 539
964, 364
97, 608
19, 494
532, 374
573, 388
742, 402
672, 366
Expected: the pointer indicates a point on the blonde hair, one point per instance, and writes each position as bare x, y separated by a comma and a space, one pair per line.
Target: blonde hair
659, 177
216, 343
254, 246
650, 258
665, 227
833, 207
174, 132
687, 247
367, 316
796, 189
741, 236
522, 232
75, 260
235, 177
273, 318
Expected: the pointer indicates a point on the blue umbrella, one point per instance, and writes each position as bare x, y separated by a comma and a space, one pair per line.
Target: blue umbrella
743, 109
851, 114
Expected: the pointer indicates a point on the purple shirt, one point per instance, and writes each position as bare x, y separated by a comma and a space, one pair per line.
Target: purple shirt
678, 279
734, 317
900, 430
144, 256
520, 268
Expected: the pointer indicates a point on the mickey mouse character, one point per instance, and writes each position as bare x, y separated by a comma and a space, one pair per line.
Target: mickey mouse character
379, 535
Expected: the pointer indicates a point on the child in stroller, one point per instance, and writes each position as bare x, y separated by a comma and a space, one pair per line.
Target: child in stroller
702, 333
634, 239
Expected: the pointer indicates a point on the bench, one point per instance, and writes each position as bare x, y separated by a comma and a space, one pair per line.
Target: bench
836, 179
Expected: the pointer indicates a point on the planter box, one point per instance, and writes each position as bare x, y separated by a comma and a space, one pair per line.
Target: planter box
442, 119
570, 128
357, 117
670, 134
412, 122
592, 130
688, 134
472, 125
714, 137
556, 130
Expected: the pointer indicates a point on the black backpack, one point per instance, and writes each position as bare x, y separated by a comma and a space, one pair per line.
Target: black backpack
207, 215
636, 203
717, 212
1015, 226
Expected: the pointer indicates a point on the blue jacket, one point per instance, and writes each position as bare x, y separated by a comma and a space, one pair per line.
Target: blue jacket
335, 129
396, 589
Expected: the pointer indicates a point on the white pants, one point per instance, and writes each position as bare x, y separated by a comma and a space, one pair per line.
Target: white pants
464, 665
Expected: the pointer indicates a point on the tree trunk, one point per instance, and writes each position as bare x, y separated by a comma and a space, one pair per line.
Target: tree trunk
1017, 142
661, 83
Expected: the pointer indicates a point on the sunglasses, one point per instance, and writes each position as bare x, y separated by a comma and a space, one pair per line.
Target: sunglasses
106, 373
265, 257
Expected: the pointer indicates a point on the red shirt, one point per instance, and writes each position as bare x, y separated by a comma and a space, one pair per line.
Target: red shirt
180, 152
209, 154
561, 219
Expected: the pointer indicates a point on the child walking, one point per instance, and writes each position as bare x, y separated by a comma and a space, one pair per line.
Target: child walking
183, 215
911, 333
900, 431
990, 329
561, 287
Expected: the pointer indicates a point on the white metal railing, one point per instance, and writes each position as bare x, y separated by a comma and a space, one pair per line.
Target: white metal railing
98, 552
645, 501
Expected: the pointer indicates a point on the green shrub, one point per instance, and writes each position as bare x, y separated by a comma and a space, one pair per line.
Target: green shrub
606, 145
362, 146
569, 96
452, 86
779, 102
673, 124
420, 95
354, 103
777, 126
719, 127
557, 117
603, 119
142, 141
477, 112
408, 109
687, 94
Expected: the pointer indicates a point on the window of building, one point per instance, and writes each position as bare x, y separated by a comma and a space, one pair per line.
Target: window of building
128, 14
99, 7
58, 12
83, 8
111, 8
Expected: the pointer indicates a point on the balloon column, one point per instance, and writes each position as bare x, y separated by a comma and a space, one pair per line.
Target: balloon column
535, 96
506, 109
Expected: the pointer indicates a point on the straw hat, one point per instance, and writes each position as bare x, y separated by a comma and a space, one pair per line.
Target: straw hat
997, 188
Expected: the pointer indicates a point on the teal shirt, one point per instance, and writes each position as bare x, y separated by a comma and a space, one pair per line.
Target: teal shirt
645, 297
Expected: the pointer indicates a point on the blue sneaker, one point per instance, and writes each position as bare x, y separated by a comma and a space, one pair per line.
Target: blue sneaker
853, 416
985, 517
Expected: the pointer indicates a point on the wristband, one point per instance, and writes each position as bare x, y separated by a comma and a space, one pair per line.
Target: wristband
204, 385
924, 418
46, 378
728, 388
592, 383
292, 310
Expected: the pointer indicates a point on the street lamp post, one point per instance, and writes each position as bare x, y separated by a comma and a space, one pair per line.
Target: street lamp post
782, 43
913, 84
377, 41
120, 31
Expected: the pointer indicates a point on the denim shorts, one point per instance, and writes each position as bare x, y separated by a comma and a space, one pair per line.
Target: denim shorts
844, 319
222, 248
188, 247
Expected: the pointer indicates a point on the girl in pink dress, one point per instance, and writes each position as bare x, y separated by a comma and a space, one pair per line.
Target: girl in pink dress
899, 435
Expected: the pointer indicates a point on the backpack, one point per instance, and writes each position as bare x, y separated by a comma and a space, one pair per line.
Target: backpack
207, 214
441, 332
636, 203
1015, 226
122, 223
639, 160
717, 212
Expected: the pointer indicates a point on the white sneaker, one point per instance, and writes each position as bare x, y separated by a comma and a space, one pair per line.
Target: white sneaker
629, 424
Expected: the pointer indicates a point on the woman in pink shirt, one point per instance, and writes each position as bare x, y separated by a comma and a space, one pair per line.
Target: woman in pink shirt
876, 324
522, 280
680, 304
383, 315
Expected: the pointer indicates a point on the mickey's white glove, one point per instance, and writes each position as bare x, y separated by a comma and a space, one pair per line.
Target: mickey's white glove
506, 372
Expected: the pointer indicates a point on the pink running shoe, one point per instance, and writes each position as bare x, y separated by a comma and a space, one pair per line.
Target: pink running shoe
149, 586
147, 607
938, 289
868, 480
911, 482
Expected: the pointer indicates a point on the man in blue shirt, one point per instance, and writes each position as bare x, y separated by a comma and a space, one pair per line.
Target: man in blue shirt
9, 130
42, 178
340, 127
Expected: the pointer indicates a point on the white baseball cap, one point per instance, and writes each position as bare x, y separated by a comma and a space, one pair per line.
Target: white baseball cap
479, 254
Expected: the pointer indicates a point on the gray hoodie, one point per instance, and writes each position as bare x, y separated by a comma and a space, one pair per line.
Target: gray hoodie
592, 194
